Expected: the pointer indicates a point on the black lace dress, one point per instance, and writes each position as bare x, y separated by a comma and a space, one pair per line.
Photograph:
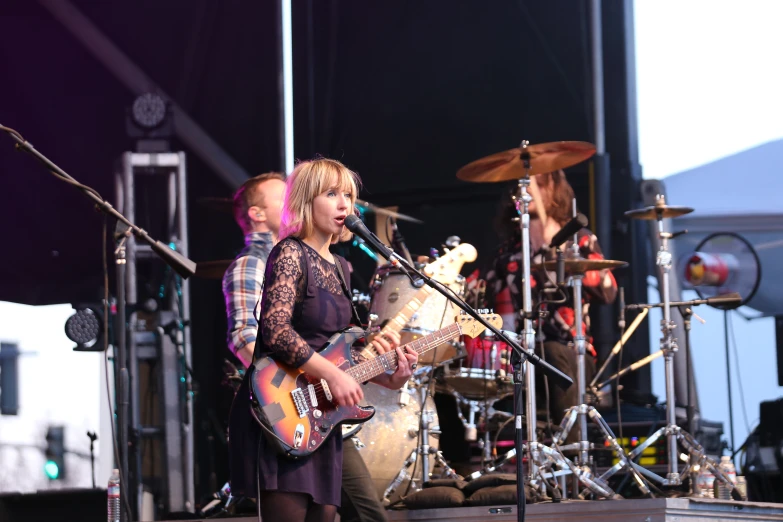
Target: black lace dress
302, 305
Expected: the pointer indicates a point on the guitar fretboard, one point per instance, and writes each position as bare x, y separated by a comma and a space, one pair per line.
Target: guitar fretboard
388, 362
399, 321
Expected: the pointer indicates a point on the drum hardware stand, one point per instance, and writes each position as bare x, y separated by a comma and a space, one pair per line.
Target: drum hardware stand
582, 411
540, 457
696, 457
422, 449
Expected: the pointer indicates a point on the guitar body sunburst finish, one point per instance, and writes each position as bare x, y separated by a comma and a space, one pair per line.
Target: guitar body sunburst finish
273, 386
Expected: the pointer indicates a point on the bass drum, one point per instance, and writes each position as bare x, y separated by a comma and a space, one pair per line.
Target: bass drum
391, 435
392, 290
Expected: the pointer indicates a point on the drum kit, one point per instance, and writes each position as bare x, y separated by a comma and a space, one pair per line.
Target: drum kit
400, 445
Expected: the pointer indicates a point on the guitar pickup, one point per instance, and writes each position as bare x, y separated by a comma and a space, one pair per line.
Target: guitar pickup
313, 398
327, 391
300, 402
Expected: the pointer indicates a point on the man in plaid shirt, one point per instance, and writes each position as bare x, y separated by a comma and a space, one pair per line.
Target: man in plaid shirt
257, 207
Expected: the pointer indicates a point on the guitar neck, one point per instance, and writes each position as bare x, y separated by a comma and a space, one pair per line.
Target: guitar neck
398, 322
388, 362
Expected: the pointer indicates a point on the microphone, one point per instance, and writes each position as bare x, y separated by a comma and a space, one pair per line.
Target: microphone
733, 299
621, 321
576, 224
355, 225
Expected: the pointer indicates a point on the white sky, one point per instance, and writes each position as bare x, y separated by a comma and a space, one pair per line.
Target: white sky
710, 84
709, 79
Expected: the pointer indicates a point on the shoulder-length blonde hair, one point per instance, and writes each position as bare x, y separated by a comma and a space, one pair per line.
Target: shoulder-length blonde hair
308, 180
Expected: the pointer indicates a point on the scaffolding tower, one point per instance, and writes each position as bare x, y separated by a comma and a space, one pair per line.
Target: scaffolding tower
151, 192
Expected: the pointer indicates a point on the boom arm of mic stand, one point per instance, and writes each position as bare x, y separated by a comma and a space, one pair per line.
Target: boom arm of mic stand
553, 373
181, 264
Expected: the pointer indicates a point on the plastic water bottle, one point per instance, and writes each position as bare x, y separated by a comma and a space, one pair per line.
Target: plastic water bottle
113, 497
727, 467
704, 483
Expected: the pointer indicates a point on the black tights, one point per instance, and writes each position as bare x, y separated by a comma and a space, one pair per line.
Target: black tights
293, 507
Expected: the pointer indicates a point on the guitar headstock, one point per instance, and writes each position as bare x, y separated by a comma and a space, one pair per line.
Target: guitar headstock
472, 328
446, 268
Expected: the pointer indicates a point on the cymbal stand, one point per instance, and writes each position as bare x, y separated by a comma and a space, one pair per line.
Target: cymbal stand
696, 457
535, 460
541, 458
582, 410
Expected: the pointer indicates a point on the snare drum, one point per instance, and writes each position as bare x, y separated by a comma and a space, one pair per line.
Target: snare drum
392, 290
485, 372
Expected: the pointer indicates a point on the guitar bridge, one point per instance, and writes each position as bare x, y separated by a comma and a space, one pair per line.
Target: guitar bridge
300, 402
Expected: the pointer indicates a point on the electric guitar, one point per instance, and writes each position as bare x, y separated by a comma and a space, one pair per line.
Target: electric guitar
296, 410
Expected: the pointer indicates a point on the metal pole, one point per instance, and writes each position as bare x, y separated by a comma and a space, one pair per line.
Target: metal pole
728, 376
598, 77
286, 87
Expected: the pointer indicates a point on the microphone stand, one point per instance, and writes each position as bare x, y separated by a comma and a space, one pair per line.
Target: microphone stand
182, 265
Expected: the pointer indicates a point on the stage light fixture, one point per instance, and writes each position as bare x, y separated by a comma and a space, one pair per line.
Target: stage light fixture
148, 121
85, 328
148, 111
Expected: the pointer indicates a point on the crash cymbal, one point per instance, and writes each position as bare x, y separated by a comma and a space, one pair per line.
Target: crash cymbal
658, 212
544, 157
369, 207
225, 205
580, 266
212, 269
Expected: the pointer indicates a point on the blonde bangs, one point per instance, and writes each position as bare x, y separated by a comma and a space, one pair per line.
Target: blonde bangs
308, 180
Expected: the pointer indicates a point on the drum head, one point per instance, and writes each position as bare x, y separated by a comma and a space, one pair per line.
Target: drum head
391, 435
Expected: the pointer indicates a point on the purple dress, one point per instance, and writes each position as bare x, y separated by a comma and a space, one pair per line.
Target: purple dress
302, 305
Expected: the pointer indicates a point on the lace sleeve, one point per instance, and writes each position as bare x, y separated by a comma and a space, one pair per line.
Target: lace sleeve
283, 288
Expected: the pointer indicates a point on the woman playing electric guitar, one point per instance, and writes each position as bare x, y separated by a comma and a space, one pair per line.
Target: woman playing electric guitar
304, 302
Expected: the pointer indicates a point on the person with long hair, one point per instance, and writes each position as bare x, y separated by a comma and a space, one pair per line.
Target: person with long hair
305, 300
550, 209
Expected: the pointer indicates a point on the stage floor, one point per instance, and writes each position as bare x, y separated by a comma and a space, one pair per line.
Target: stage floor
642, 510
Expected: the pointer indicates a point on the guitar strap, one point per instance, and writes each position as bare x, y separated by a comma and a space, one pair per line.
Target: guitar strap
354, 312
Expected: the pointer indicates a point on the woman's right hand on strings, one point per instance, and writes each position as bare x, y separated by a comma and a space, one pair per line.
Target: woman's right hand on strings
345, 390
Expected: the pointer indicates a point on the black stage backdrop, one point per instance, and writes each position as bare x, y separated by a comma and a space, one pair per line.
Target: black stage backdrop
402, 92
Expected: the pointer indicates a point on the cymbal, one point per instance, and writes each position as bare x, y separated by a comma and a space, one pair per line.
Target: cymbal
369, 207
212, 269
580, 266
658, 212
544, 157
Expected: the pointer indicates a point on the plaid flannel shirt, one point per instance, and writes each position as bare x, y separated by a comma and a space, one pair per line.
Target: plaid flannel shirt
242, 286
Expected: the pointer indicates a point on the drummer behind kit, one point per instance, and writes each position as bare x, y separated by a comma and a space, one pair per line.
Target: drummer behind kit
546, 467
